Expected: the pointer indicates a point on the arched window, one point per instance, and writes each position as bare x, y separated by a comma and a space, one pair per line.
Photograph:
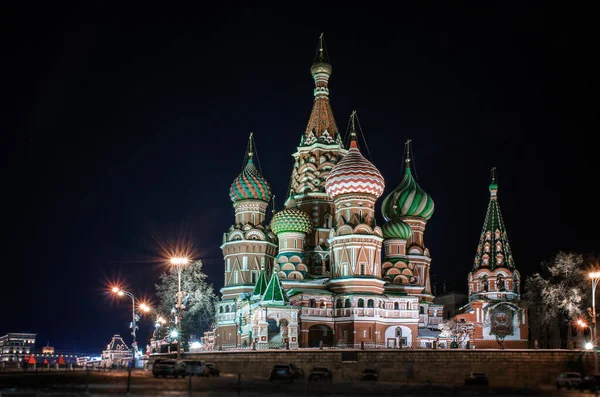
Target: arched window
221, 309
398, 332
338, 304
226, 309
361, 303
312, 303
347, 303
370, 303
421, 310
396, 307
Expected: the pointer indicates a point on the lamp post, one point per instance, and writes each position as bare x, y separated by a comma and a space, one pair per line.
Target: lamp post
158, 322
134, 318
179, 262
595, 277
590, 345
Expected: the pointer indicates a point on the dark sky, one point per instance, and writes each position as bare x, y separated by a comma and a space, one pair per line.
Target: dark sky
127, 124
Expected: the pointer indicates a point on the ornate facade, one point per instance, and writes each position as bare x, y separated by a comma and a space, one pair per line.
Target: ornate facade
494, 311
322, 271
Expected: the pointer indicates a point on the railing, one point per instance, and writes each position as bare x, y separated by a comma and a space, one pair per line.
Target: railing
358, 312
226, 316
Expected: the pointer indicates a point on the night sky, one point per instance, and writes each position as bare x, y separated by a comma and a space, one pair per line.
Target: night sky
127, 124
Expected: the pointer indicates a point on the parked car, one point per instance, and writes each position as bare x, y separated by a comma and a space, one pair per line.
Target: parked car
213, 370
477, 378
174, 368
320, 373
281, 372
569, 380
297, 371
197, 368
591, 383
369, 375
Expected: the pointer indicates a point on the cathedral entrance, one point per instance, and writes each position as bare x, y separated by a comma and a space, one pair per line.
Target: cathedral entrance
398, 336
318, 333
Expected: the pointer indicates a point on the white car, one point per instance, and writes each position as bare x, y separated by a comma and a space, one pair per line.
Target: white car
570, 380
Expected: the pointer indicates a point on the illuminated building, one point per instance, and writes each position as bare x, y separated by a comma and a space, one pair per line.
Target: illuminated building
495, 311
16, 345
322, 270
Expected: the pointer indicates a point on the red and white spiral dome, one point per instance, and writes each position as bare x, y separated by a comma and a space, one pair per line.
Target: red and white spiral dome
354, 174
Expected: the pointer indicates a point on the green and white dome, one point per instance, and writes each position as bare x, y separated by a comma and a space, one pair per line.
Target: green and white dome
291, 219
396, 229
408, 199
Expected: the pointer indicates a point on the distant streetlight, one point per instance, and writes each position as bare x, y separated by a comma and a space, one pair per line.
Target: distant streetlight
180, 262
590, 344
120, 292
595, 277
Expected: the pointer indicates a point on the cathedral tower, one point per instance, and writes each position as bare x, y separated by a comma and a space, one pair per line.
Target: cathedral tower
494, 275
249, 245
291, 226
407, 259
319, 151
355, 184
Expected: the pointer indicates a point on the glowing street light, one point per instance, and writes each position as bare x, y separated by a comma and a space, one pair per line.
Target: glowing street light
121, 292
590, 344
175, 334
179, 262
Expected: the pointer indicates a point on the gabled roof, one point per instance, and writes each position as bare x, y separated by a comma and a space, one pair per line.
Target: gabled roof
274, 294
261, 284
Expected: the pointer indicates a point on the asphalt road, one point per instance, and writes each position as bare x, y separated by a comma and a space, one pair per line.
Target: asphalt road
79, 383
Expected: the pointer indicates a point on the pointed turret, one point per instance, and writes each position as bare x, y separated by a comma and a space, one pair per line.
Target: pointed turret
274, 294
261, 285
493, 250
321, 124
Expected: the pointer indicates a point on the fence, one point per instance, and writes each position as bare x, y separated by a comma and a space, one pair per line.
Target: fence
422, 345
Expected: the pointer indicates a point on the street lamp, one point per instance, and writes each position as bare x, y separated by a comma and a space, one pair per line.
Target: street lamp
134, 318
179, 262
595, 277
590, 344
158, 322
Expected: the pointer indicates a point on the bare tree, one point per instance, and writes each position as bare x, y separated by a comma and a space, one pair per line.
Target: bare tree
558, 294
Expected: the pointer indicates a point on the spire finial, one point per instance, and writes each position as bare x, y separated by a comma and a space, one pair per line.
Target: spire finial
493, 183
353, 143
250, 150
407, 159
321, 56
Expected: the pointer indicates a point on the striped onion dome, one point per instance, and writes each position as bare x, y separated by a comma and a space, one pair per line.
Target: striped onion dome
396, 229
408, 199
354, 174
291, 219
250, 185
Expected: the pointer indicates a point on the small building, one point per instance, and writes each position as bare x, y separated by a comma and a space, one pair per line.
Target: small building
117, 352
16, 346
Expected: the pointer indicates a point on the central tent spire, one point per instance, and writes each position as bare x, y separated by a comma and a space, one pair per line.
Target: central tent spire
321, 124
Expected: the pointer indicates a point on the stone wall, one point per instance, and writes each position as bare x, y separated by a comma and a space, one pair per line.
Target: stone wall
505, 368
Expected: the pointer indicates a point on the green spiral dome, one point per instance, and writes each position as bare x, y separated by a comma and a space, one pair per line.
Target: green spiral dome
396, 229
408, 199
291, 219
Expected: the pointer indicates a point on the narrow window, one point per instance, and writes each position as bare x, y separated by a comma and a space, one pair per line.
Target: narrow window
362, 269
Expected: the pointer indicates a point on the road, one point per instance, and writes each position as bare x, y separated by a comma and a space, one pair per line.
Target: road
80, 383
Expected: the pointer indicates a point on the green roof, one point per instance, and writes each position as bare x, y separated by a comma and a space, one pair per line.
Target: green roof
274, 293
261, 284
493, 250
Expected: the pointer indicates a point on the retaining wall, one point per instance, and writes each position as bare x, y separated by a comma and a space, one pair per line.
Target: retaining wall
505, 368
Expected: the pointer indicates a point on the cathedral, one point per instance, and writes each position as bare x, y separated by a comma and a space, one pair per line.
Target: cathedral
321, 271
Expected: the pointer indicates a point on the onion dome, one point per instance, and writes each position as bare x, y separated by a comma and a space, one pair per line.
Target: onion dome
250, 184
408, 199
396, 229
291, 219
354, 173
